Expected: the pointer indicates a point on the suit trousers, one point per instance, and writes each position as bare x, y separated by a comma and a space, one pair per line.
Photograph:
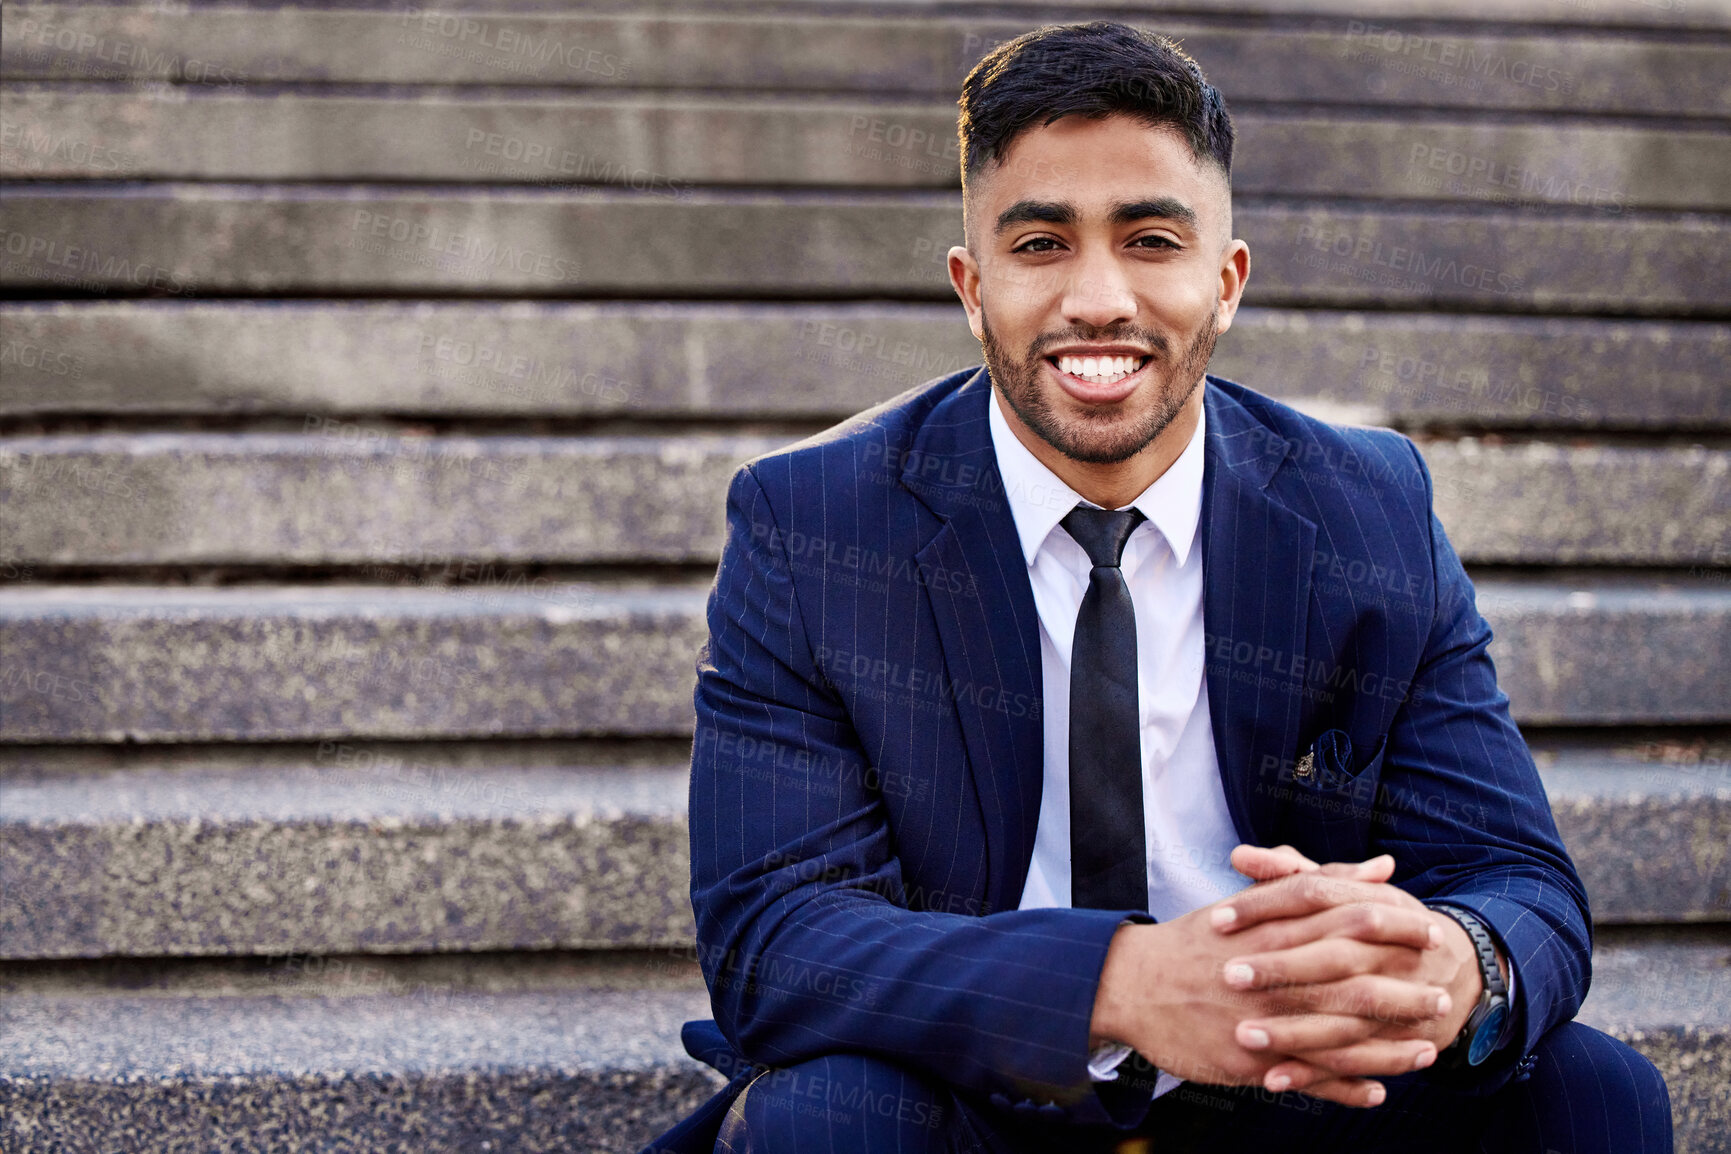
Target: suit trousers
1584, 1093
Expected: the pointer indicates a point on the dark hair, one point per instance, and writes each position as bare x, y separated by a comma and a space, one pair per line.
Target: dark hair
1093, 70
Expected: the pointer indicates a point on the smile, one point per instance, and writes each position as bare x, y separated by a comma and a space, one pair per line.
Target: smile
1098, 370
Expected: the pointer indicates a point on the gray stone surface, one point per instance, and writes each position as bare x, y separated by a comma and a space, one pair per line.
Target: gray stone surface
357, 493
498, 655
179, 238
906, 48
1652, 842
427, 1068
1609, 651
157, 664
348, 492
1668, 994
354, 852
671, 143
363, 847
820, 361
1555, 503
446, 1058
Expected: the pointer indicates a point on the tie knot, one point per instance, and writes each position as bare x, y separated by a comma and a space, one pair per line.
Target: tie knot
1102, 532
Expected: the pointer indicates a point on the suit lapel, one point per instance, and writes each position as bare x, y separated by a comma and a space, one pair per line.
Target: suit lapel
977, 579
1256, 604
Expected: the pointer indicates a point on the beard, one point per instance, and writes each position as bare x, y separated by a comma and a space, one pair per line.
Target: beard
1100, 436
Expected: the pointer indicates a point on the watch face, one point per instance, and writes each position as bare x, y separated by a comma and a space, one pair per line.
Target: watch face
1489, 1033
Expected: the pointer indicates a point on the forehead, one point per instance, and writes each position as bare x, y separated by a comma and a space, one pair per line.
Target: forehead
1092, 164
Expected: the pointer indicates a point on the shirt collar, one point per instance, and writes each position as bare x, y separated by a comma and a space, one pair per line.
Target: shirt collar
1039, 500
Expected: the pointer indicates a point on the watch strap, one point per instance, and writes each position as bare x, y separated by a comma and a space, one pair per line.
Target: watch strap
1491, 974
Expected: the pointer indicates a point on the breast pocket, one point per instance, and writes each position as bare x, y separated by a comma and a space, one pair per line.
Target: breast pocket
1330, 799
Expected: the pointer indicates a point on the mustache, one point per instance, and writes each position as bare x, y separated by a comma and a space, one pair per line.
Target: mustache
1103, 334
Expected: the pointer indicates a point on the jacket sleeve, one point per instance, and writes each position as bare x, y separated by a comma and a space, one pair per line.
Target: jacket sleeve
1467, 805
803, 929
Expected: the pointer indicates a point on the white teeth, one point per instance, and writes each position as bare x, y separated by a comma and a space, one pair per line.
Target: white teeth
1099, 370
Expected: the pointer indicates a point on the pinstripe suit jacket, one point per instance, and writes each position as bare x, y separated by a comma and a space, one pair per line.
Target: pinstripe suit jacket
866, 772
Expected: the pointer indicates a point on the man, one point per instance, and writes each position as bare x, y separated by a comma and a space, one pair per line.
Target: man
1012, 681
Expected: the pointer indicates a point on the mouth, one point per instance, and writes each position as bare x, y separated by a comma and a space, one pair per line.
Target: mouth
1099, 378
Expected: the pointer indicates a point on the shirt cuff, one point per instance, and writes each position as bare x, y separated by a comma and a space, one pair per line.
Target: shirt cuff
1103, 1063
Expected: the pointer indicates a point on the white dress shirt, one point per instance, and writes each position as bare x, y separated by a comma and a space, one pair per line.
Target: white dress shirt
1189, 830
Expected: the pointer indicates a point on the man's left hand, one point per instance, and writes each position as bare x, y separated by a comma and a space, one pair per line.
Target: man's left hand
1325, 968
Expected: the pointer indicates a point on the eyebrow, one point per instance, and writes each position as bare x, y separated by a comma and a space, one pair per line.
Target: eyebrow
1160, 208
1128, 212
1030, 211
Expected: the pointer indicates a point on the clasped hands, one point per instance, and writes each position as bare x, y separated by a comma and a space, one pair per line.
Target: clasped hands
1317, 978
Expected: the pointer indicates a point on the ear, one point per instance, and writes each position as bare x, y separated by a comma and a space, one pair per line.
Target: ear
965, 279
1234, 272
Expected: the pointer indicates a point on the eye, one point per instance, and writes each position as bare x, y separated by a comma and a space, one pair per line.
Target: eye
1037, 244
1154, 240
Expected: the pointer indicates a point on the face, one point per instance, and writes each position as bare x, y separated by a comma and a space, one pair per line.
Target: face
1099, 270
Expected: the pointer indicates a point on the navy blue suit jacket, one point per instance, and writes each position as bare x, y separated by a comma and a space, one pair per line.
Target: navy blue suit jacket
866, 772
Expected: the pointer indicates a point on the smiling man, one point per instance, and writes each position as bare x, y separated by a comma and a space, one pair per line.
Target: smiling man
1039, 799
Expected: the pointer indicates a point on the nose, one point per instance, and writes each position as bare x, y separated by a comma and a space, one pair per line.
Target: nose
1098, 293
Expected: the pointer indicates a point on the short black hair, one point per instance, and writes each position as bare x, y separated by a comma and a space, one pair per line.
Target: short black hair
1093, 70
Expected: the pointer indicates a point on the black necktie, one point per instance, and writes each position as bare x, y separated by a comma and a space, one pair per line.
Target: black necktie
1108, 849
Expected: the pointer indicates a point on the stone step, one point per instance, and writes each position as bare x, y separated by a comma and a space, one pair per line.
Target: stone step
349, 492
511, 1053
539, 1053
819, 361
502, 654
1351, 52
377, 848
672, 143
180, 239
351, 850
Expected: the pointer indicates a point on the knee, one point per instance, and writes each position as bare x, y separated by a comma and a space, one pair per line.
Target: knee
1575, 1053
838, 1103
1590, 1092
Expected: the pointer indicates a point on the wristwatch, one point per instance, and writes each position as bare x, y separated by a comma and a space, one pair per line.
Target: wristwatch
1486, 1026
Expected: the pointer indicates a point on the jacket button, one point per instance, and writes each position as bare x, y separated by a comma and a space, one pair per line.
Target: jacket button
998, 1100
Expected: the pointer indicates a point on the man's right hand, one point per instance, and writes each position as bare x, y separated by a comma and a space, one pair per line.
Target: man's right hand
1163, 991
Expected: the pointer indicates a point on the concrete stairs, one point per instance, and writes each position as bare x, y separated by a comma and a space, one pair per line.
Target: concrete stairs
369, 385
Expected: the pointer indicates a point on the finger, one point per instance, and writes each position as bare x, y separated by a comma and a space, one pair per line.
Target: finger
1301, 894
1302, 1032
1328, 960
1360, 1092
1372, 1058
1373, 998
1260, 863
1361, 921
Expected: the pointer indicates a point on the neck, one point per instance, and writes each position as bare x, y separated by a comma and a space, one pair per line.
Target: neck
1115, 485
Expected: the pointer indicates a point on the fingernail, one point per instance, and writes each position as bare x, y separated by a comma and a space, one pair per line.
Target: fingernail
1278, 1083
1444, 1004
1239, 974
1433, 935
1425, 1058
1376, 1095
1254, 1039
1226, 915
